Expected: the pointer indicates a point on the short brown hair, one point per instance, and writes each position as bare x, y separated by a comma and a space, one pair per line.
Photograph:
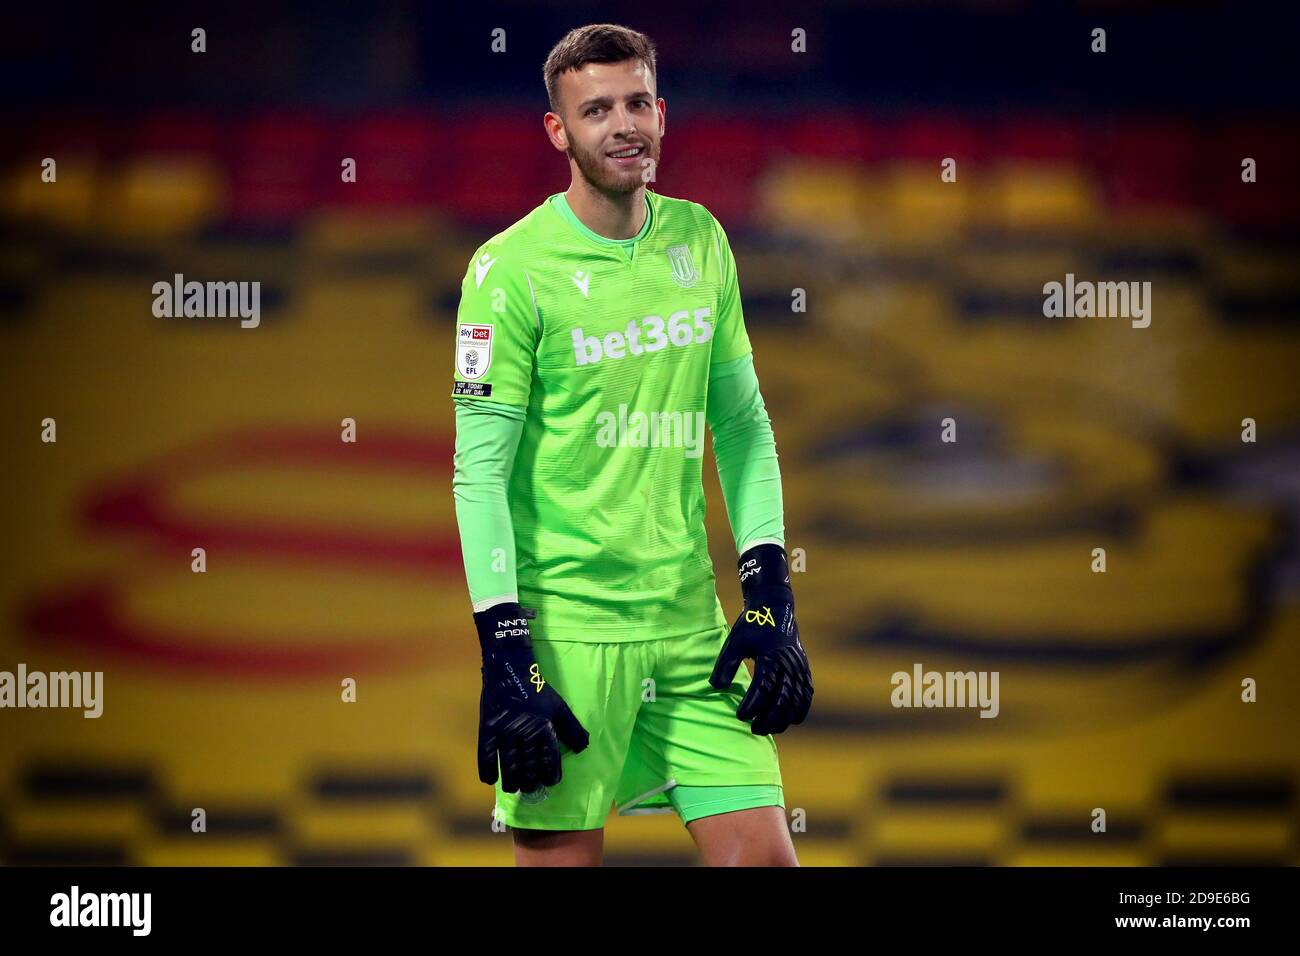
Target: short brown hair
595, 43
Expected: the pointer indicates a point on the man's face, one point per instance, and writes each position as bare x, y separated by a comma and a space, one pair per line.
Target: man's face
610, 108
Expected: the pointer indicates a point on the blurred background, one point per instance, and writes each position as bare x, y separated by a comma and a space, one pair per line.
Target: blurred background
924, 298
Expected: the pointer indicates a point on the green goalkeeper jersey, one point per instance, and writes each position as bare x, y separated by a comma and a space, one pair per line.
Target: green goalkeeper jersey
607, 345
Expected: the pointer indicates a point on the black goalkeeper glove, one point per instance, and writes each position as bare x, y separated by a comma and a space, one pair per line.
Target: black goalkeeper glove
521, 719
782, 689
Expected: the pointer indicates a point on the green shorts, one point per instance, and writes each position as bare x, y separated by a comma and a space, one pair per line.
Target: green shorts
662, 738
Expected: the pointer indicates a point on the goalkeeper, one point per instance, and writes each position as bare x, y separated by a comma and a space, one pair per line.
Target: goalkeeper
595, 338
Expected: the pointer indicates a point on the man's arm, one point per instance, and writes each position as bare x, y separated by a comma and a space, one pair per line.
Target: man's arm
745, 450
522, 719
743, 444
487, 438
496, 338
781, 691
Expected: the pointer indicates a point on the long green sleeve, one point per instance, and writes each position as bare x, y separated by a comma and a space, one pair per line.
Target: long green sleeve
487, 438
745, 449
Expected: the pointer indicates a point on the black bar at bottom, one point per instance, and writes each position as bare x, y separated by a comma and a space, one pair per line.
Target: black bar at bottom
637, 905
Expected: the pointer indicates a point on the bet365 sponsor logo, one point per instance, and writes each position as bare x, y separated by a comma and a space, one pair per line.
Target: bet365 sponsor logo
651, 334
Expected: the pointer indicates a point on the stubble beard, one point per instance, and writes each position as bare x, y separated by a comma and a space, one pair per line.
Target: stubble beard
613, 181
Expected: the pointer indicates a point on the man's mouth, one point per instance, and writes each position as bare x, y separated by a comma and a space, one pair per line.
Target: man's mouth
626, 156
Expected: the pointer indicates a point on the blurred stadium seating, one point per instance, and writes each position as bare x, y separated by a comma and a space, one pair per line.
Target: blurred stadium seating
329, 561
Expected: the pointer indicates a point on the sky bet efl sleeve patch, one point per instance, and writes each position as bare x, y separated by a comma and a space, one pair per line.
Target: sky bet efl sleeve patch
473, 349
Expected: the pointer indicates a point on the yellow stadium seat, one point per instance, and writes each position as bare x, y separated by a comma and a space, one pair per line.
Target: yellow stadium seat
67, 203
159, 197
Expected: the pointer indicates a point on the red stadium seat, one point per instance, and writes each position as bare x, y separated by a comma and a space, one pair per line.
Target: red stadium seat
1272, 201
501, 167
171, 134
1041, 139
716, 161
399, 161
928, 139
1149, 163
63, 133
831, 135
279, 169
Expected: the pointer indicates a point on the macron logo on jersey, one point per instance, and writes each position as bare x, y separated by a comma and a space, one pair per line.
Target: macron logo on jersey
682, 329
582, 280
481, 267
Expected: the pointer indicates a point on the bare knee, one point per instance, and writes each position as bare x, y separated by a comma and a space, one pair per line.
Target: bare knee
558, 847
754, 837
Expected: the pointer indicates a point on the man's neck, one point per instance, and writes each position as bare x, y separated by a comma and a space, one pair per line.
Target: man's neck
615, 217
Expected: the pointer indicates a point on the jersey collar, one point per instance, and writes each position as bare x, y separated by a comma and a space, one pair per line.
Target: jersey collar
560, 204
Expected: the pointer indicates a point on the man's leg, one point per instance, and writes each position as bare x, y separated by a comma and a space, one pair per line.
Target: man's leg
563, 825
559, 847
754, 837
723, 780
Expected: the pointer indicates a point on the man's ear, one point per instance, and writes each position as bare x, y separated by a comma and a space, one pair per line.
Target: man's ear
555, 131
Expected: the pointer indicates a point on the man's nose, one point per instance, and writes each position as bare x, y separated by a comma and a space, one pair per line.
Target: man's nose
625, 122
